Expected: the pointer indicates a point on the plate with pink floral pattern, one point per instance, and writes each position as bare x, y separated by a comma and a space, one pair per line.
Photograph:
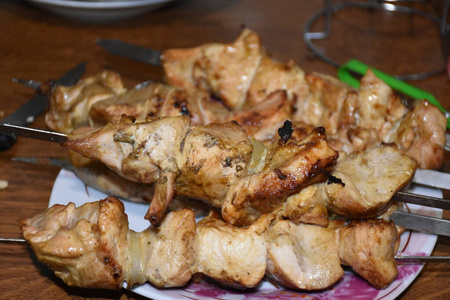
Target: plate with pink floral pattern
68, 188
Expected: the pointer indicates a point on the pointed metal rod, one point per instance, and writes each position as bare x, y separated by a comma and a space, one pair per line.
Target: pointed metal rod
399, 259
15, 241
29, 83
32, 133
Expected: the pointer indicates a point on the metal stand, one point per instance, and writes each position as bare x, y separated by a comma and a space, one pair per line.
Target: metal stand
329, 9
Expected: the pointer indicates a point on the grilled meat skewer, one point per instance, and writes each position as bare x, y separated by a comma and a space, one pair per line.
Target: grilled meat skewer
92, 247
260, 94
214, 163
351, 190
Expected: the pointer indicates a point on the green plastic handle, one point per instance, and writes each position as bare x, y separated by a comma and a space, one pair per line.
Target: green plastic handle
353, 65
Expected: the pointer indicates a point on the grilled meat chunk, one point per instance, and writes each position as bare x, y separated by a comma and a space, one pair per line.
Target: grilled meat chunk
98, 176
70, 106
225, 70
85, 246
153, 100
369, 248
368, 117
289, 167
234, 256
167, 252
307, 207
363, 184
303, 256
421, 135
272, 76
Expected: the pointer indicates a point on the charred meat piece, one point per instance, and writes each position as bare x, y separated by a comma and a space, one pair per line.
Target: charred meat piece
289, 167
263, 119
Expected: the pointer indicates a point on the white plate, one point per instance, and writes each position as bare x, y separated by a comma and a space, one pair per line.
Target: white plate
68, 188
99, 12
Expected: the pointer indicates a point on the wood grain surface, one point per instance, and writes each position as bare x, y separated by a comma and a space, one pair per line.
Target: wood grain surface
35, 44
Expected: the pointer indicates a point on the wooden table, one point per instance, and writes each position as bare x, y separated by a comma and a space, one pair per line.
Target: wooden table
37, 45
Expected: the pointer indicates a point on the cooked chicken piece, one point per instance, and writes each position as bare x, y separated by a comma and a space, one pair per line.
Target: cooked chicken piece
323, 106
356, 120
179, 68
234, 256
336, 106
69, 106
92, 247
263, 120
363, 183
213, 158
379, 107
210, 163
333, 104
306, 207
272, 76
421, 135
164, 256
289, 167
369, 248
85, 246
98, 176
303, 256
227, 70
154, 100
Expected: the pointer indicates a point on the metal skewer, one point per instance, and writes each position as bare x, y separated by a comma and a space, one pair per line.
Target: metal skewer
401, 259
11, 241
29, 83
